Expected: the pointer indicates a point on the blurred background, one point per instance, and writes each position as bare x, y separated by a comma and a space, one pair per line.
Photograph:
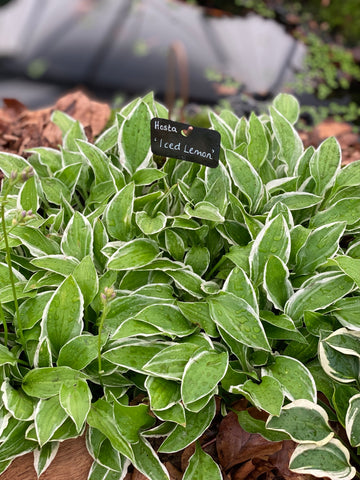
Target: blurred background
236, 54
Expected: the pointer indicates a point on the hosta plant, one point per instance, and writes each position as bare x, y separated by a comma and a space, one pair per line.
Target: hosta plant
135, 289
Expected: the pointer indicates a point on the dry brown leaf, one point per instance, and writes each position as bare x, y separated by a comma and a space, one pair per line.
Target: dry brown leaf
186, 454
243, 472
174, 473
136, 475
235, 445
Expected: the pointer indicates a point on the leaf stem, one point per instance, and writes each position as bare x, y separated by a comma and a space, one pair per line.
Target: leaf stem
215, 267
11, 274
101, 324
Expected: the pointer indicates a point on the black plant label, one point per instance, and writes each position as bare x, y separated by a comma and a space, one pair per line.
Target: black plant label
180, 140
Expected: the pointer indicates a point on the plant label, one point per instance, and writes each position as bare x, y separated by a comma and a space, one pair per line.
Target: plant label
180, 140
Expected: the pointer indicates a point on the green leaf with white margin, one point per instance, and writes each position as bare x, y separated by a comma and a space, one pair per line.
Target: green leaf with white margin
273, 239
276, 282
43, 354
77, 239
227, 136
325, 164
97, 159
66, 431
150, 225
163, 393
134, 254
14, 442
327, 461
134, 356
348, 176
63, 314
202, 467
146, 176
188, 281
291, 146
7, 357
288, 106
55, 190
62, 264
12, 163
98, 472
101, 416
166, 318
35, 241
76, 401
294, 200
108, 139
46, 382
350, 266
198, 258
174, 244
5, 418
104, 453
28, 197
240, 285
17, 402
32, 309
198, 314
321, 291
130, 420
352, 421
345, 210
343, 368
205, 211
320, 245
201, 402
147, 462
133, 328
170, 362
62, 120
295, 378
134, 139
346, 312
267, 395
118, 213
254, 425
246, 179
280, 327
238, 319
196, 424
79, 351
44, 456
195, 384
345, 341
45, 410
174, 414
233, 377
75, 133
70, 175
258, 146
304, 421
86, 277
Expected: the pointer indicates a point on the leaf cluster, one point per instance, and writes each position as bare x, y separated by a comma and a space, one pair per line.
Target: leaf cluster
174, 284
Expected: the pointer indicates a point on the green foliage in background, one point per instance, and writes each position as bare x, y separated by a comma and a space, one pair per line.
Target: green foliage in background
328, 68
123, 280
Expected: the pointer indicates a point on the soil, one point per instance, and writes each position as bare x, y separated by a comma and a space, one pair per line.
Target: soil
239, 454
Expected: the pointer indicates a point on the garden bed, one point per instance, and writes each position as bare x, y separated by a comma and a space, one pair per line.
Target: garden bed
151, 266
